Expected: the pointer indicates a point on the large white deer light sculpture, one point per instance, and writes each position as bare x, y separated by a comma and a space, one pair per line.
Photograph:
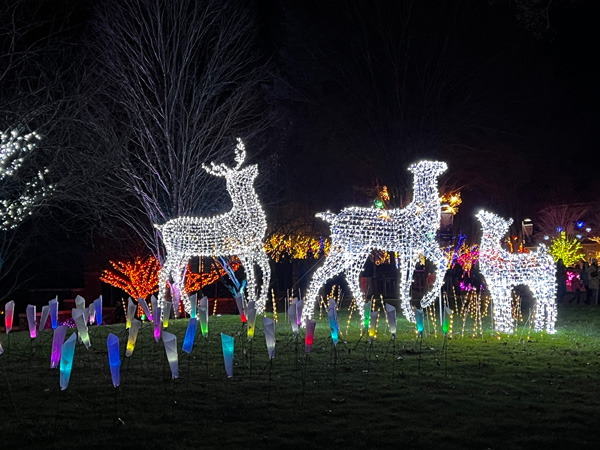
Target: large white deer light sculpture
503, 271
356, 232
239, 232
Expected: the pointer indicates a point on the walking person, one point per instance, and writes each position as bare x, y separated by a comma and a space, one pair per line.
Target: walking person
594, 281
561, 280
585, 281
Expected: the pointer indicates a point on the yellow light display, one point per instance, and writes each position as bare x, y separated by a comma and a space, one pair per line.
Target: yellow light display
280, 246
567, 249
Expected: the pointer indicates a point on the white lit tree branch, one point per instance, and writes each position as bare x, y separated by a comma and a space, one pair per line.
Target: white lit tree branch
18, 196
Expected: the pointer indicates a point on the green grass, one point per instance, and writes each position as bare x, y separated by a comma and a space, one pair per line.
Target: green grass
506, 392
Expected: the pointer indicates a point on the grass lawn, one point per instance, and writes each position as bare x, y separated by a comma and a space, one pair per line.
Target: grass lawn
521, 391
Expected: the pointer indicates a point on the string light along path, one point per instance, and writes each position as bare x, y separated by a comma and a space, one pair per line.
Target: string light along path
356, 232
503, 271
239, 232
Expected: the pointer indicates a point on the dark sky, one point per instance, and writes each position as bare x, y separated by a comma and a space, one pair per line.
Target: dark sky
507, 96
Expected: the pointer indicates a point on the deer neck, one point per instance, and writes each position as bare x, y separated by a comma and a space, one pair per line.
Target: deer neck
244, 198
425, 194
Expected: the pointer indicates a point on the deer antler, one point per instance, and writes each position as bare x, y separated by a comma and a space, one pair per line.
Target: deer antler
221, 170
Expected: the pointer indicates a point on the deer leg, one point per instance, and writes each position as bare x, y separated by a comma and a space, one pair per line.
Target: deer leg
333, 265
545, 307
248, 263
263, 262
502, 304
435, 254
406, 268
354, 268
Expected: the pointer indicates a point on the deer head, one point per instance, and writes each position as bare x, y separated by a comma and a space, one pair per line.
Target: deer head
424, 169
494, 227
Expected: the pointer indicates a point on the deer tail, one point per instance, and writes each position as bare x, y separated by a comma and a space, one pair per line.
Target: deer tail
326, 216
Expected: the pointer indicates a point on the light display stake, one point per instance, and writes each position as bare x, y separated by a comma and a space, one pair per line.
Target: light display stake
503, 271
66, 361
79, 319
58, 338
239, 232
132, 337
203, 315
170, 341
446, 322
193, 305
190, 336
98, 309
409, 232
293, 314
54, 312
114, 359
310, 334
373, 325
9, 312
227, 344
31, 321
166, 313
419, 320
333, 324
131, 309
367, 313
269, 327
145, 308
391, 318
157, 324
251, 320
44, 317
241, 306
80, 302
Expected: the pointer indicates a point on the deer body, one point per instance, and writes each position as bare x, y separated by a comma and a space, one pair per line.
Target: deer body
239, 232
503, 271
356, 232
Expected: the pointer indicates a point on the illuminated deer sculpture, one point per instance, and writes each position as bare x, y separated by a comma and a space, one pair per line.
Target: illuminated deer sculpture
239, 232
503, 271
356, 232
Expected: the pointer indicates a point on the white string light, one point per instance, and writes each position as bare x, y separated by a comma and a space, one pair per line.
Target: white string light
503, 271
14, 149
356, 232
239, 232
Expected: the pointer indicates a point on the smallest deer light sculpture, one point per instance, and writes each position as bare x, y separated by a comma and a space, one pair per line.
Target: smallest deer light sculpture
239, 232
503, 271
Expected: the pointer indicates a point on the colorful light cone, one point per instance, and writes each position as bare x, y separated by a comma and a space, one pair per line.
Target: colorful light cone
227, 344
80, 302
167, 306
157, 323
310, 334
193, 305
54, 312
90, 316
269, 327
251, 320
190, 336
419, 319
114, 359
132, 338
170, 341
31, 321
203, 316
44, 317
293, 313
333, 325
240, 303
367, 310
66, 360
131, 309
79, 319
1, 349
373, 325
98, 309
446, 321
391, 318
58, 340
9, 312
298, 306
145, 308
